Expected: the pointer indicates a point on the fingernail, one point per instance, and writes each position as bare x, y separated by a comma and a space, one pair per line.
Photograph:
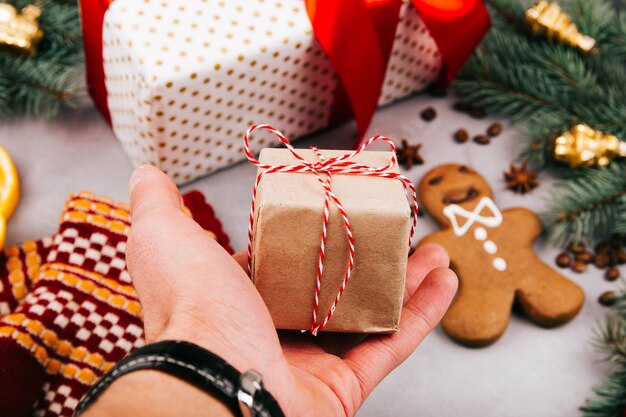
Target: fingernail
135, 178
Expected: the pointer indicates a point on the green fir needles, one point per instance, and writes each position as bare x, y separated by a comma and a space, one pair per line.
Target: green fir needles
42, 83
610, 400
545, 88
591, 205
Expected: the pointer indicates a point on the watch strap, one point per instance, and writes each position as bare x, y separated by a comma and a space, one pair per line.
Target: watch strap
198, 367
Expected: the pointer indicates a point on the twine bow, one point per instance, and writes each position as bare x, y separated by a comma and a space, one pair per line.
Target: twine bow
336, 165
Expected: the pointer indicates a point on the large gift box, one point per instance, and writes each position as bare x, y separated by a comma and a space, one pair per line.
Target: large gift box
180, 81
358, 290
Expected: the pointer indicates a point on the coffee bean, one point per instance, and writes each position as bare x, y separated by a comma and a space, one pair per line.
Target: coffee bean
461, 106
601, 260
617, 241
611, 274
607, 298
461, 136
576, 247
579, 267
420, 213
563, 260
494, 130
621, 255
482, 139
429, 114
602, 247
584, 256
477, 113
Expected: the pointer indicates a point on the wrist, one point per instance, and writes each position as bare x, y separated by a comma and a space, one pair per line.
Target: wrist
188, 328
277, 376
149, 393
226, 342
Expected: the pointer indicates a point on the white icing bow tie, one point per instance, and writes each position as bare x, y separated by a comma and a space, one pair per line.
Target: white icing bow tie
455, 213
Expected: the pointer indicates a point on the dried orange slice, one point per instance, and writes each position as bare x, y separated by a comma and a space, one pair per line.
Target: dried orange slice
3, 231
9, 190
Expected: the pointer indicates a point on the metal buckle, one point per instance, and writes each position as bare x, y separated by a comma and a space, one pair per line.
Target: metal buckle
249, 383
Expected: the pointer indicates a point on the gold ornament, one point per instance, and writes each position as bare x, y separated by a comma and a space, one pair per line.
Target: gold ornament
585, 147
547, 19
20, 32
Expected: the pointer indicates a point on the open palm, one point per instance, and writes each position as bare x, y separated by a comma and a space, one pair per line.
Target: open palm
192, 289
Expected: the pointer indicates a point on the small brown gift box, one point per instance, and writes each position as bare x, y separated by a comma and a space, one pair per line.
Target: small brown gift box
286, 241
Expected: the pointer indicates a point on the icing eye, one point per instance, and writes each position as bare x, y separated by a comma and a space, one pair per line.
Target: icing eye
435, 180
464, 169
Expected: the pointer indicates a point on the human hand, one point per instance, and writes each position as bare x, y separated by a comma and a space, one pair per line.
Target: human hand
191, 289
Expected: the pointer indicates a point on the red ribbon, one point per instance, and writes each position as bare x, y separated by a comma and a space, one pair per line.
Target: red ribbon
358, 35
457, 27
92, 16
336, 165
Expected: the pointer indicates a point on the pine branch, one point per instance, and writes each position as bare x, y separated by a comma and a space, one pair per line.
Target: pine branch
545, 88
51, 79
591, 206
610, 398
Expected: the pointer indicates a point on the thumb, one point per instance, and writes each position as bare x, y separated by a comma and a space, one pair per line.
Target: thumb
158, 228
150, 189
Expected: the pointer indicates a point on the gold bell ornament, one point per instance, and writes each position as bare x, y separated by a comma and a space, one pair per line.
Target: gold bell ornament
20, 31
547, 19
585, 147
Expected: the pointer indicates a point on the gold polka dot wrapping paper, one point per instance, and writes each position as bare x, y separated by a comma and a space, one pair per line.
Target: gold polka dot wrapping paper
186, 79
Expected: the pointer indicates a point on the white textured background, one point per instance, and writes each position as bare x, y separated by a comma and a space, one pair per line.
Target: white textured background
529, 372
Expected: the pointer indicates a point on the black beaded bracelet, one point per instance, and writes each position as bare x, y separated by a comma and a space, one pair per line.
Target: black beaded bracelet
242, 393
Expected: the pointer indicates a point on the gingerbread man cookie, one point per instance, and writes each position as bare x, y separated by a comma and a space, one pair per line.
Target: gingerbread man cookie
492, 254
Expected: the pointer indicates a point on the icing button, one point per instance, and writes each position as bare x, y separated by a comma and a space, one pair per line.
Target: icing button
499, 264
480, 233
490, 247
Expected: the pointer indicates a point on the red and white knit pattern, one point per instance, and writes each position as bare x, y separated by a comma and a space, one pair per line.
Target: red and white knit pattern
21, 262
81, 315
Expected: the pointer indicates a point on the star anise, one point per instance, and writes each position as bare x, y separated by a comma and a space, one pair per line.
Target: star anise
520, 179
408, 155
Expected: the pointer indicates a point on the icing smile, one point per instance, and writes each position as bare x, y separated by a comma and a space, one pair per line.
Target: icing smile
460, 196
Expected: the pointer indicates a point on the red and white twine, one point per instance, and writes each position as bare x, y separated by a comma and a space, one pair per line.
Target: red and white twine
336, 165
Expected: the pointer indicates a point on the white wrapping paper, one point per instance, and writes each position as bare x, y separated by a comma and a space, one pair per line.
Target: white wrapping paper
185, 79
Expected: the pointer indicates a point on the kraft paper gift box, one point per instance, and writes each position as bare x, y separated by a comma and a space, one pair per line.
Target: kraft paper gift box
286, 243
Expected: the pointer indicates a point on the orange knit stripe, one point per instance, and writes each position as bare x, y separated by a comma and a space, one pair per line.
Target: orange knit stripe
14, 265
88, 202
91, 196
99, 207
97, 220
51, 271
120, 302
12, 250
85, 195
62, 347
53, 366
105, 206
32, 258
